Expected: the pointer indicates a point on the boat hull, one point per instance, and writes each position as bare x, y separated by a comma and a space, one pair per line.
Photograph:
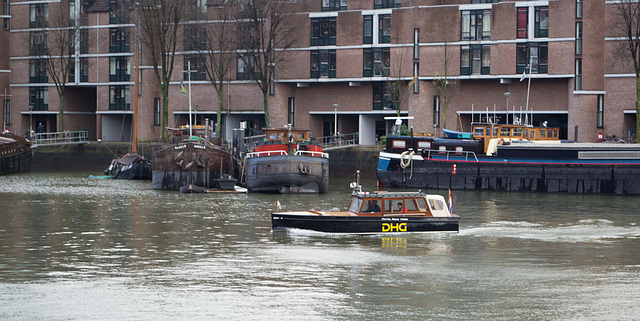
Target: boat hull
15, 154
187, 163
365, 224
512, 174
141, 171
287, 173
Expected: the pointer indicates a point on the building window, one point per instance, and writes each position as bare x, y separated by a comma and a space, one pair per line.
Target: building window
118, 13
436, 111
384, 28
578, 81
119, 98
7, 23
542, 22
523, 22
195, 37
382, 4
245, 64
119, 68
38, 43
382, 96
323, 31
292, 112
578, 9
534, 53
198, 69
578, 37
476, 25
7, 112
376, 62
334, 5
84, 70
416, 75
323, 64
416, 43
38, 98
38, 71
475, 60
156, 111
6, 7
119, 40
368, 29
84, 41
600, 111
38, 15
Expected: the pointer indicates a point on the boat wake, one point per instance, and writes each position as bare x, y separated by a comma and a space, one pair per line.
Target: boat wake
583, 231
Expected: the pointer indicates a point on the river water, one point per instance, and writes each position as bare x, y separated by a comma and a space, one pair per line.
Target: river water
79, 248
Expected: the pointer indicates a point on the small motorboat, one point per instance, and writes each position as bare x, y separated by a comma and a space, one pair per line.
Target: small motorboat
376, 212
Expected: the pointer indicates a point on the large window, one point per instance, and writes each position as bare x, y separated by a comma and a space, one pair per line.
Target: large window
119, 98
578, 9
38, 71
198, 68
292, 111
436, 111
323, 64
381, 4
416, 43
578, 37
119, 40
368, 29
382, 96
578, 80
84, 70
475, 60
323, 31
542, 22
476, 25
534, 53
157, 106
119, 68
416, 75
7, 112
118, 13
376, 62
38, 98
38, 42
600, 111
384, 28
523, 22
38, 15
334, 5
245, 66
195, 37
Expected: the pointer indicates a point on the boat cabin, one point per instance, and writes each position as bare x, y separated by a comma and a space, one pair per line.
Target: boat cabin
515, 132
287, 141
182, 132
398, 204
286, 135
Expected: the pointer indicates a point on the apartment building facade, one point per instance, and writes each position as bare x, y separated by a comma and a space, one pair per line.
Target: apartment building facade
355, 62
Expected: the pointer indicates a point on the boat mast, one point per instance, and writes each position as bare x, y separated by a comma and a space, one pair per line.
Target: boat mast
189, 80
134, 147
526, 114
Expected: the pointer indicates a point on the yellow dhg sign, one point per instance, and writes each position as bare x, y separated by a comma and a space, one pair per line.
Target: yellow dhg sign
394, 227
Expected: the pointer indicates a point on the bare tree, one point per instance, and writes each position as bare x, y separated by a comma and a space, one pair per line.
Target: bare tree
445, 86
265, 32
159, 24
54, 44
627, 26
215, 43
399, 86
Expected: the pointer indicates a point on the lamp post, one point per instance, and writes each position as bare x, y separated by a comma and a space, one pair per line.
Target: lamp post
506, 94
335, 120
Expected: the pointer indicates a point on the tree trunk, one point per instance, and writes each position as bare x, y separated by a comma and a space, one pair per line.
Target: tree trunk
637, 107
165, 112
265, 97
61, 113
219, 113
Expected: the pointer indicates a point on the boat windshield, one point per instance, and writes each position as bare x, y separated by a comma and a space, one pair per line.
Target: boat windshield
355, 204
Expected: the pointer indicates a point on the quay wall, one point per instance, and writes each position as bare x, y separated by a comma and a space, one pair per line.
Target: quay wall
95, 157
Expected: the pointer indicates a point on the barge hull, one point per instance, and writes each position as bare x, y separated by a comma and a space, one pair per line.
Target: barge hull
278, 173
365, 225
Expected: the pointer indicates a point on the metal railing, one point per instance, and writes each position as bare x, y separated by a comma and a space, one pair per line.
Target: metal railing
60, 138
431, 152
266, 153
311, 153
340, 140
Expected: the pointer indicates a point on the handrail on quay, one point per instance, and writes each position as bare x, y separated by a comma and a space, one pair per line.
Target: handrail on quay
66, 137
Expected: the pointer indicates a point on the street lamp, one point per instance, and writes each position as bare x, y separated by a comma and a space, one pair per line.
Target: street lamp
507, 94
335, 119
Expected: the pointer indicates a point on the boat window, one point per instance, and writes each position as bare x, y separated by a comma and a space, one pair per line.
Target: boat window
300, 136
389, 207
543, 133
504, 131
550, 133
436, 205
410, 205
422, 205
399, 143
525, 133
273, 136
495, 131
532, 134
424, 145
355, 204
478, 131
517, 132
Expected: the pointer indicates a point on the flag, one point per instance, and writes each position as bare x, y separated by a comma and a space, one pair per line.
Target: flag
524, 75
278, 206
182, 89
450, 203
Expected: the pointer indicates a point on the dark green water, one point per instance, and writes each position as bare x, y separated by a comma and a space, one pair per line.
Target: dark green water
76, 248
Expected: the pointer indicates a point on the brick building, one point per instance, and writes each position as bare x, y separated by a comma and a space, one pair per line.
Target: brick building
347, 56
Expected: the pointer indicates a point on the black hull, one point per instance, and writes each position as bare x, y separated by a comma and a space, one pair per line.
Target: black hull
133, 171
189, 163
515, 177
365, 225
15, 155
285, 173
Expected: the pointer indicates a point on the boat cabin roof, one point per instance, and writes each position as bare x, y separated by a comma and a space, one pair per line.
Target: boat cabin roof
282, 134
489, 131
398, 204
